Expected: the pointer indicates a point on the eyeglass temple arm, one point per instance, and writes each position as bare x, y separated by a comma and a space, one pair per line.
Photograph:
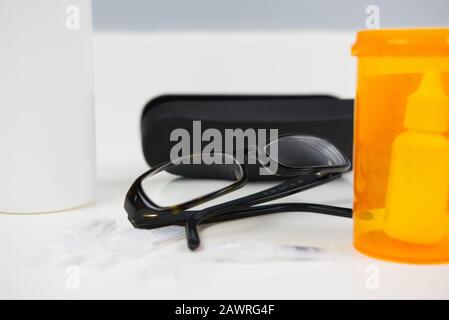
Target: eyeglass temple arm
282, 207
295, 185
258, 211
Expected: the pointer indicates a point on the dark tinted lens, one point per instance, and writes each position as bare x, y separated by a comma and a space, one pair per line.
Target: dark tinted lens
167, 189
301, 151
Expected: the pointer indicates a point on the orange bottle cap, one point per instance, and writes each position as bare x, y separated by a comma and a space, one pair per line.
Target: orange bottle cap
402, 42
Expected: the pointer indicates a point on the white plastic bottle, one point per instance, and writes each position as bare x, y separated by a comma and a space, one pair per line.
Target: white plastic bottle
47, 140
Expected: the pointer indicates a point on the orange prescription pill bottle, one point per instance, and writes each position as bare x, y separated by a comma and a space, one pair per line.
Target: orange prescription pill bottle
401, 165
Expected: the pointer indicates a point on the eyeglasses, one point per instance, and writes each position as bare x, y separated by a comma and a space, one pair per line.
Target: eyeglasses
305, 161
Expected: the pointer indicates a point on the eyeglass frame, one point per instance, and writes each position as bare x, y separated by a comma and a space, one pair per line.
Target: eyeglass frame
145, 213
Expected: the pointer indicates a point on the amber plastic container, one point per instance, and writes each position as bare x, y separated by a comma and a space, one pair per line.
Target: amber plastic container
392, 65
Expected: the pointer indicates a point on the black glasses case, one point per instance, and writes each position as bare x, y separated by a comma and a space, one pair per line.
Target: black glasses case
319, 115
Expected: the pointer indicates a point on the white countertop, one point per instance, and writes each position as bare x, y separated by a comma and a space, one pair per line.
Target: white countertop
130, 69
